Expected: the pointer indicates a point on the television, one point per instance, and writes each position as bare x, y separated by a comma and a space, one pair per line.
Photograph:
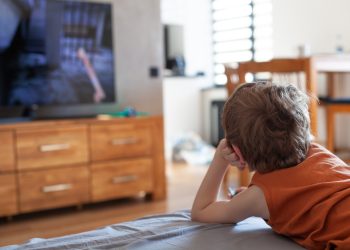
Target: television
56, 58
174, 49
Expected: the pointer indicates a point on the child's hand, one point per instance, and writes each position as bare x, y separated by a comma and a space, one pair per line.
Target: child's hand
228, 153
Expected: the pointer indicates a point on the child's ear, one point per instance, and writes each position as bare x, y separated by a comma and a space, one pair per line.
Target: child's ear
239, 154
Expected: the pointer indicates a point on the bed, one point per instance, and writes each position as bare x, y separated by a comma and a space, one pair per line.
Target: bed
170, 231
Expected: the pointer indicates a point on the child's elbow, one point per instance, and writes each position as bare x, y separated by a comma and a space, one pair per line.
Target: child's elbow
195, 215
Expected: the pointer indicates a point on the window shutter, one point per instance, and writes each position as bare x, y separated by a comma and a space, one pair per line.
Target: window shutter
242, 31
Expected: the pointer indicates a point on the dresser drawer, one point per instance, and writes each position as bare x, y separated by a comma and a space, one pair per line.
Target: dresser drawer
7, 155
8, 195
42, 148
121, 178
119, 141
41, 189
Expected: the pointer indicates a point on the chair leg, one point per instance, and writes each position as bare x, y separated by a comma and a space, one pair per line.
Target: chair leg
330, 116
244, 178
226, 183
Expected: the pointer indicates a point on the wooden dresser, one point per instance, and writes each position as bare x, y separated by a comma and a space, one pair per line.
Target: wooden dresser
50, 164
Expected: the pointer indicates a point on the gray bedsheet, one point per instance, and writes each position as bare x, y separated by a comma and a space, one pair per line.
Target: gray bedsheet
170, 231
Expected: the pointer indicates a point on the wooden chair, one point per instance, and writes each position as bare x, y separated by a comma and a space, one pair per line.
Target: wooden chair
284, 68
308, 67
231, 84
333, 106
232, 78
281, 67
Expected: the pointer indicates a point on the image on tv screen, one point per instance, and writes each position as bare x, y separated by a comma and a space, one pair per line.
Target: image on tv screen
55, 52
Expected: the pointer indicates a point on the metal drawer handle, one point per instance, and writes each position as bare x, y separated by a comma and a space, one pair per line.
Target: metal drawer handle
124, 141
124, 179
56, 188
54, 147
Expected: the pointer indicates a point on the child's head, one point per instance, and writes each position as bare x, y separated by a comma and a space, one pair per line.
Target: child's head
269, 123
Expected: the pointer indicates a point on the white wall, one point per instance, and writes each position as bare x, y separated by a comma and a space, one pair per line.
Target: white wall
314, 22
183, 113
318, 24
182, 97
195, 16
138, 46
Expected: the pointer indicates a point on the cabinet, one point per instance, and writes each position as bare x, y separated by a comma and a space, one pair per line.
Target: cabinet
8, 187
8, 194
50, 188
117, 142
7, 156
115, 179
49, 147
51, 164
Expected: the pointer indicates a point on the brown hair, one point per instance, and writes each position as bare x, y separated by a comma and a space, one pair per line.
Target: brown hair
269, 123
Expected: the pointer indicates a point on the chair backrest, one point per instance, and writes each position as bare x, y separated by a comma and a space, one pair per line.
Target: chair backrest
277, 66
232, 78
283, 67
287, 66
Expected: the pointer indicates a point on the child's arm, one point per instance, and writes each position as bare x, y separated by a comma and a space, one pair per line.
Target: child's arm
206, 208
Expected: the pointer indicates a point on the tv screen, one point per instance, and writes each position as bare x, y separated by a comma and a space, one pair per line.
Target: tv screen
56, 52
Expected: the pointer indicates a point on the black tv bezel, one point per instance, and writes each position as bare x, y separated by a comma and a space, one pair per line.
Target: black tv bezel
67, 111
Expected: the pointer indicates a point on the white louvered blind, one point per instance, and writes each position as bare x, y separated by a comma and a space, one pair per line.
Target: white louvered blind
242, 31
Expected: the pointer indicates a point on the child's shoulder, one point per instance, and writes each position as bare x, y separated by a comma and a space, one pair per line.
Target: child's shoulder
319, 155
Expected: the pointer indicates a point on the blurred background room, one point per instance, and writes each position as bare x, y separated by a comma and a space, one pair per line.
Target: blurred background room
79, 62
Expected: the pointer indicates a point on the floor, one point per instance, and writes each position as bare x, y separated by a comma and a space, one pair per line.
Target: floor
183, 181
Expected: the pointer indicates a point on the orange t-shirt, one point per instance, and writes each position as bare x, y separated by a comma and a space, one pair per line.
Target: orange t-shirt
310, 202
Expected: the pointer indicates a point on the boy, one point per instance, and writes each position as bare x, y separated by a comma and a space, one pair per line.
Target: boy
300, 188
